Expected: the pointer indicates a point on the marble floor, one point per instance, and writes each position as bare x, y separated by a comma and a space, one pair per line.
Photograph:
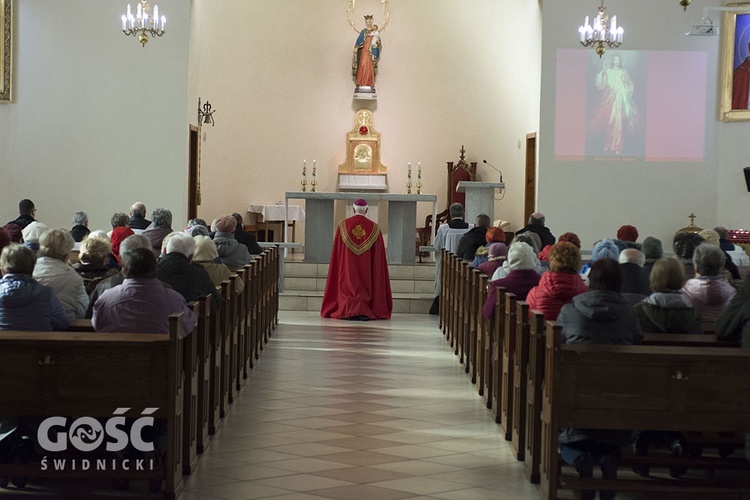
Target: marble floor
350, 410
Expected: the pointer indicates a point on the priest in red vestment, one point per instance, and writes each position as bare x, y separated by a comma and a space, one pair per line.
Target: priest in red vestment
358, 285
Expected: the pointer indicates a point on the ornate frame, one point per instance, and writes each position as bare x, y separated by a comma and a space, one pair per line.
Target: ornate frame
6, 50
731, 43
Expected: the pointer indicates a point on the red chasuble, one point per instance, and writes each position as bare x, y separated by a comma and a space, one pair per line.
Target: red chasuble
358, 283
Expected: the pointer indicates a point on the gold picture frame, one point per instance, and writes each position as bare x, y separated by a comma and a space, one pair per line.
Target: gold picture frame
6, 50
735, 58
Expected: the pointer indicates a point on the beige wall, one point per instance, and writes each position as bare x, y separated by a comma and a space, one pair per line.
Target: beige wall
97, 121
278, 74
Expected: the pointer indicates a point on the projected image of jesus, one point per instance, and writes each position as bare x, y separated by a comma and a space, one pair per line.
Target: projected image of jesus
616, 118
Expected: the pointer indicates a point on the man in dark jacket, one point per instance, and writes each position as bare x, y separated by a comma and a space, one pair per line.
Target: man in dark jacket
138, 220
536, 225
176, 269
474, 238
26, 211
247, 239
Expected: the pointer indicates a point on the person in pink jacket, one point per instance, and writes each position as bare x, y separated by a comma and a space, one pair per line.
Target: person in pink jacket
558, 286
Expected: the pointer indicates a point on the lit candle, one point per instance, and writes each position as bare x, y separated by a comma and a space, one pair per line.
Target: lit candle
129, 14
163, 22
408, 172
419, 171
123, 23
156, 16
139, 12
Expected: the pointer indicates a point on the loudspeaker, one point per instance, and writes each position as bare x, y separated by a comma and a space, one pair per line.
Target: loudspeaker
747, 177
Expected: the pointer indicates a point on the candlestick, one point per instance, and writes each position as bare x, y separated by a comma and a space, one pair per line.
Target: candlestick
314, 182
419, 178
303, 182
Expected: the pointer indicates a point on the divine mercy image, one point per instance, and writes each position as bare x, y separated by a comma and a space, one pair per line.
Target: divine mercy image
614, 100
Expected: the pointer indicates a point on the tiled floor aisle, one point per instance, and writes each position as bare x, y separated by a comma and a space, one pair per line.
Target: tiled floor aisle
347, 410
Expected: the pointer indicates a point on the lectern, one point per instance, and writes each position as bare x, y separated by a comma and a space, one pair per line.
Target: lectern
480, 197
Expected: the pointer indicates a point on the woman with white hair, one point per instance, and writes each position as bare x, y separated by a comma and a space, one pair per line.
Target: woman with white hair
52, 270
206, 255
709, 292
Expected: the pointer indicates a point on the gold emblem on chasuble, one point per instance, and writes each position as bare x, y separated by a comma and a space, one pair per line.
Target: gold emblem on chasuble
358, 232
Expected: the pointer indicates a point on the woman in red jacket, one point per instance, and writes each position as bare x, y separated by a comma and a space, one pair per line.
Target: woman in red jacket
558, 286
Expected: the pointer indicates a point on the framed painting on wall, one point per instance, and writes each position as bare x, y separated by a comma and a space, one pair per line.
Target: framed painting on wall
6, 50
735, 64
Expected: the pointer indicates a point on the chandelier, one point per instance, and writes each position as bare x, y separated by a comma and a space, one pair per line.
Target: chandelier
143, 23
599, 35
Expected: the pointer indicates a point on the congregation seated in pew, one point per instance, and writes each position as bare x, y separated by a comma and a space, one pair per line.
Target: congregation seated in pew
52, 269
599, 316
709, 292
560, 284
177, 270
141, 303
667, 309
25, 304
521, 278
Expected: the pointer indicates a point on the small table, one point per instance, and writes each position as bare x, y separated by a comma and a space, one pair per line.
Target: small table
277, 214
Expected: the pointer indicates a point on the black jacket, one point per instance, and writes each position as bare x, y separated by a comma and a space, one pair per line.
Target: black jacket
190, 280
473, 239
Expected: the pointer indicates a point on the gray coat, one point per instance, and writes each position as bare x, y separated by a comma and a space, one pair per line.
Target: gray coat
599, 317
233, 254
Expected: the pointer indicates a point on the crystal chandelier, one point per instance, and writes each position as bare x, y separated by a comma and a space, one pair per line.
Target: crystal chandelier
599, 35
143, 23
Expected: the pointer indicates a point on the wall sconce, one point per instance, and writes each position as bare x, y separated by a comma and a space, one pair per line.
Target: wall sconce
205, 113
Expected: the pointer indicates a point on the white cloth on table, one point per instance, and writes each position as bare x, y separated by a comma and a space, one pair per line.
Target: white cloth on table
278, 212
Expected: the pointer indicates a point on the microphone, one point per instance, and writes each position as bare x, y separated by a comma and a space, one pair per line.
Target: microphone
493, 168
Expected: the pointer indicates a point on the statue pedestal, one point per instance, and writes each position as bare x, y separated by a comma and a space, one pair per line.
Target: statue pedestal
480, 198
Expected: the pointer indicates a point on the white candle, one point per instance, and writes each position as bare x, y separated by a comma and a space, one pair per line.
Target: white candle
156, 16
139, 12
408, 172
419, 171
129, 14
123, 23
163, 22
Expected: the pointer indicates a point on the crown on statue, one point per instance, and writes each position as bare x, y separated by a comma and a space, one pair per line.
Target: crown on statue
368, 17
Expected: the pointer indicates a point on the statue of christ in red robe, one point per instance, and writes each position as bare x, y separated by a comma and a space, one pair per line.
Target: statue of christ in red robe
358, 285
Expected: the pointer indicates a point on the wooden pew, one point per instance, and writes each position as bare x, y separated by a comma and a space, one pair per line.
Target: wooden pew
247, 361
456, 305
498, 338
85, 374
205, 355
256, 302
190, 369
641, 387
482, 344
472, 321
686, 340
520, 369
225, 333
507, 354
238, 324
216, 399
534, 379
230, 325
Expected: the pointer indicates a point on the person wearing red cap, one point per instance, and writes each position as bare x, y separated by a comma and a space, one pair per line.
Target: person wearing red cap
358, 285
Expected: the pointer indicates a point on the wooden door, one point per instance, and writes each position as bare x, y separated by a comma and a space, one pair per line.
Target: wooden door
529, 205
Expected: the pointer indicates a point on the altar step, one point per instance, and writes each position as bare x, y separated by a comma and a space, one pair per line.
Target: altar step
412, 287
